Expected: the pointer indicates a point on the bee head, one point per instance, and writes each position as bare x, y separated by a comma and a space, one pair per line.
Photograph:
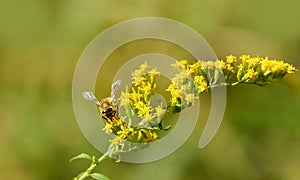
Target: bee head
105, 104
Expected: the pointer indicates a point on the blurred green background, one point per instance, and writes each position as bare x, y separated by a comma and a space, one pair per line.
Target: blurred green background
41, 41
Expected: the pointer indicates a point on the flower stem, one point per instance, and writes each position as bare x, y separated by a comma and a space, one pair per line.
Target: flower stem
102, 158
89, 170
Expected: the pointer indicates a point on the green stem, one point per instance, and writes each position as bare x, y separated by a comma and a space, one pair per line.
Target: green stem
224, 84
89, 170
128, 114
234, 84
102, 158
218, 85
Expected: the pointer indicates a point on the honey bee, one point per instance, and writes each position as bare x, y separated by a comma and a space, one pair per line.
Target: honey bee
107, 106
108, 110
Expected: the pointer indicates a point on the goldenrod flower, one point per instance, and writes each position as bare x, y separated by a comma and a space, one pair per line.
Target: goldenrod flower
137, 73
146, 88
135, 96
153, 73
250, 76
190, 99
220, 64
178, 65
124, 132
139, 80
108, 128
195, 68
184, 62
230, 59
290, 68
142, 108
144, 67
116, 141
181, 76
175, 94
152, 137
262, 71
200, 83
149, 121
244, 57
208, 65
173, 89
124, 99
160, 111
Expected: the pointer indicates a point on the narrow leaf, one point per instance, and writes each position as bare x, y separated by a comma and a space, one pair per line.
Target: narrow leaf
99, 176
81, 156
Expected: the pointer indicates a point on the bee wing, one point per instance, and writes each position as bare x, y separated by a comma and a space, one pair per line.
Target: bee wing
89, 95
114, 88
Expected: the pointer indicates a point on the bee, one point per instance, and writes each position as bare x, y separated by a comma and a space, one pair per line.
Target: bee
107, 107
108, 110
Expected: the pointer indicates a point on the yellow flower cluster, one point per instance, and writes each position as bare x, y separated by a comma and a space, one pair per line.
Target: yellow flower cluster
262, 71
137, 135
211, 71
182, 89
124, 132
137, 101
209, 74
193, 79
144, 86
200, 83
143, 77
189, 81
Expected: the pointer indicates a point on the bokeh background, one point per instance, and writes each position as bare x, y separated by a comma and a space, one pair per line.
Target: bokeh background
41, 41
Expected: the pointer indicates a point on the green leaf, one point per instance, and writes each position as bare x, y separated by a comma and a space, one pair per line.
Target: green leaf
81, 156
99, 176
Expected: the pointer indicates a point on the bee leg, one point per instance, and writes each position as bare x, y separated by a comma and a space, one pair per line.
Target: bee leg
117, 109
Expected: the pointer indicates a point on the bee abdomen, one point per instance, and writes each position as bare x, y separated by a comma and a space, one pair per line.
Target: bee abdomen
108, 114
